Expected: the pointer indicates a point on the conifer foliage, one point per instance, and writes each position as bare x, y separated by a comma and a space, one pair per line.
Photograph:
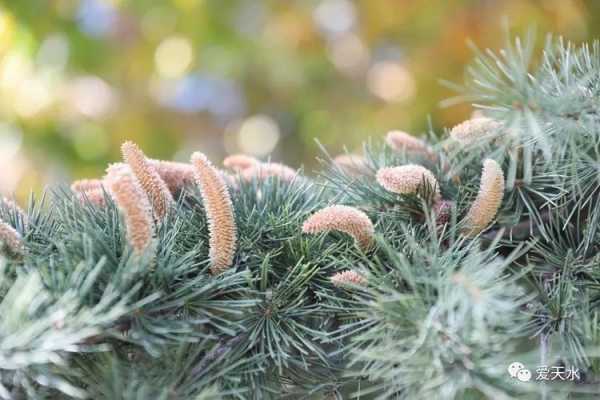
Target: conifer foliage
417, 270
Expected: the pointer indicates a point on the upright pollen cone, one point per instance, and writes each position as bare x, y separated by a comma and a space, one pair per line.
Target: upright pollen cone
402, 141
155, 188
344, 219
219, 212
407, 179
266, 170
488, 200
11, 241
133, 204
176, 175
474, 129
239, 162
348, 277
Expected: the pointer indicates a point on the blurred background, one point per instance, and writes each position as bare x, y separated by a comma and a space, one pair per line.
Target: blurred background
263, 77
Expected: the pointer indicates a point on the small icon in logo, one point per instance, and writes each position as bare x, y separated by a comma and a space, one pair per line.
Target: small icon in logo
517, 370
514, 368
524, 375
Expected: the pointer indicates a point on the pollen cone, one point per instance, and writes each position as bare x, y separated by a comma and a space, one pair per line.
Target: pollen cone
488, 200
150, 181
11, 240
344, 219
176, 175
402, 141
219, 212
472, 130
133, 204
348, 277
239, 162
266, 170
407, 179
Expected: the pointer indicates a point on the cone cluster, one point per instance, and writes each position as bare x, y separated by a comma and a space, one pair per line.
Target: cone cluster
407, 179
143, 188
143, 191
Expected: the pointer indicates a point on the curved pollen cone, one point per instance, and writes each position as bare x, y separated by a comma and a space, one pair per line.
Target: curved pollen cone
348, 277
351, 163
83, 185
266, 170
239, 162
219, 212
488, 200
344, 219
175, 175
133, 204
402, 141
150, 181
407, 179
11, 241
474, 129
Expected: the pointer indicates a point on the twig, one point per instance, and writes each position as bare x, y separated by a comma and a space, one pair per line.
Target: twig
214, 354
520, 231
